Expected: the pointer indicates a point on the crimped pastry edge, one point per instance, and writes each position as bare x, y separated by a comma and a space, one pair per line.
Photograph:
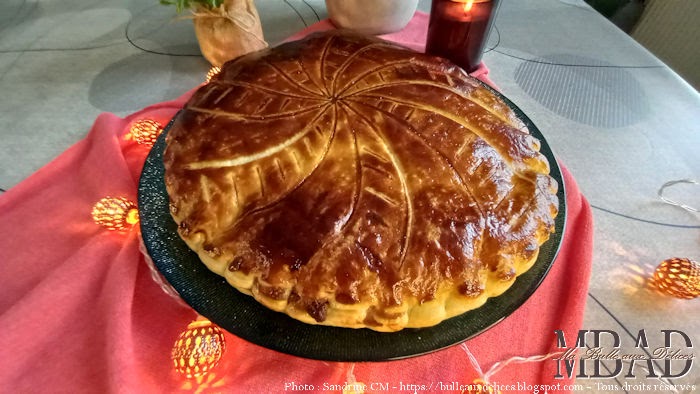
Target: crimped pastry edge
447, 303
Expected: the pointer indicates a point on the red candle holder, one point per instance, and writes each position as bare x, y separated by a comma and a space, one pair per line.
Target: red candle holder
459, 29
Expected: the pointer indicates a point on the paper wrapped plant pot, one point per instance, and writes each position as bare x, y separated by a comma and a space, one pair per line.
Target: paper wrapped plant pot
228, 31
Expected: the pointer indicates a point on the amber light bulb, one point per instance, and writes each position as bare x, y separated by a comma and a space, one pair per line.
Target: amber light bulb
198, 349
478, 386
212, 73
678, 277
145, 131
115, 213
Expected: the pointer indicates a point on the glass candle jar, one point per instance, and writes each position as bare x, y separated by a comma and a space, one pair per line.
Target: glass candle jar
459, 29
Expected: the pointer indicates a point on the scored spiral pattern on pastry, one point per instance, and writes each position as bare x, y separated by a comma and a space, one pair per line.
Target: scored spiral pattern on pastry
348, 181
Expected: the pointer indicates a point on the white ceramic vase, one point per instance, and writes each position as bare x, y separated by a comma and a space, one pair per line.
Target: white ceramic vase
371, 16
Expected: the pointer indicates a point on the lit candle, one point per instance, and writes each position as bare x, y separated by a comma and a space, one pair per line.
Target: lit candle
459, 29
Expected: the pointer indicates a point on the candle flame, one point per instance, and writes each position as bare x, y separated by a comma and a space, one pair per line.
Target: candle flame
468, 5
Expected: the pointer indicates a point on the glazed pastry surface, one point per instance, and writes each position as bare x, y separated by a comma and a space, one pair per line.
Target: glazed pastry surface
347, 181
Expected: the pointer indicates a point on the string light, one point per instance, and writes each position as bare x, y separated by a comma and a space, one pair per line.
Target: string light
354, 388
145, 131
678, 277
198, 349
351, 385
115, 213
212, 73
479, 386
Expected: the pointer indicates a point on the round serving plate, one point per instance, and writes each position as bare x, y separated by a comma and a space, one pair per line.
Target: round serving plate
211, 296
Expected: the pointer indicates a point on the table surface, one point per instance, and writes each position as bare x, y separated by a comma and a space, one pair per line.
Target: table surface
621, 120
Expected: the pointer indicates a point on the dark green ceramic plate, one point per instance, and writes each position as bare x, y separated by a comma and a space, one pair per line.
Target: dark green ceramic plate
211, 296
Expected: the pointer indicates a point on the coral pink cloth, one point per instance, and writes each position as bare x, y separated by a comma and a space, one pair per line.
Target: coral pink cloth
80, 313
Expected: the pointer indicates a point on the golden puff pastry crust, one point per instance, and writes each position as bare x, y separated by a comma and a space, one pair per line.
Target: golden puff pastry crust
348, 181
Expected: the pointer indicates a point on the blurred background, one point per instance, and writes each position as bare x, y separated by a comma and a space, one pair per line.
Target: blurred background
655, 25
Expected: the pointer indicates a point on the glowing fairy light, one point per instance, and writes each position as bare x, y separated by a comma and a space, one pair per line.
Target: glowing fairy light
198, 349
678, 277
115, 213
145, 131
212, 73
